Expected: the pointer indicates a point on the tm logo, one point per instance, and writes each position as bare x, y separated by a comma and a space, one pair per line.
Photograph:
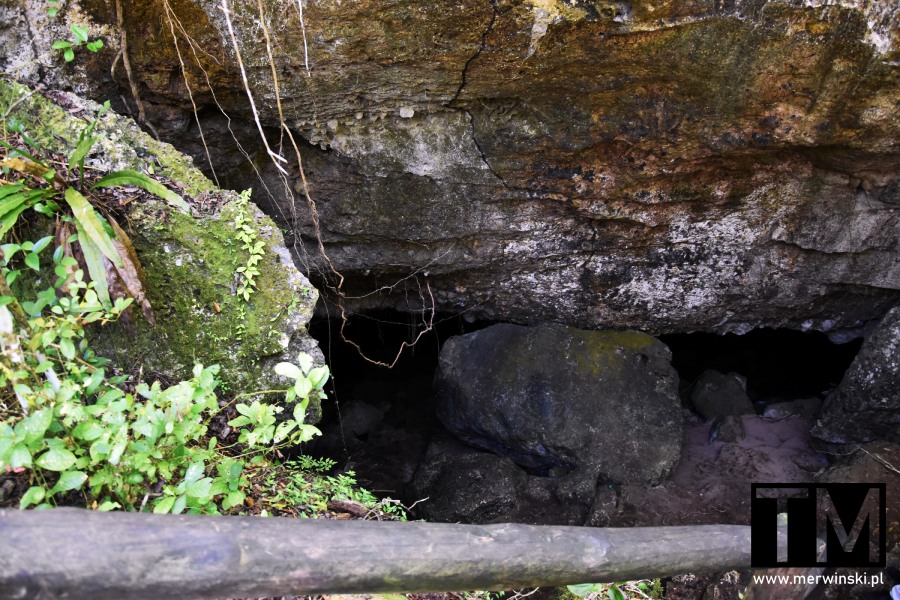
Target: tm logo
849, 518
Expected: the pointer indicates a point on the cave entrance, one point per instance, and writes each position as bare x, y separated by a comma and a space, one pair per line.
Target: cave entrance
778, 364
380, 422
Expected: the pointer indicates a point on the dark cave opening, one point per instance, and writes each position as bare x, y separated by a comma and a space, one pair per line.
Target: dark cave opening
379, 422
779, 364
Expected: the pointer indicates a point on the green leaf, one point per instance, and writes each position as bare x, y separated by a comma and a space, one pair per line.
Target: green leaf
100, 449
60, 44
95, 45
108, 505
286, 369
85, 143
90, 221
239, 421
299, 413
305, 361
20, 456
56, 459
33, 496
127, 177
42, 243
10, 188
200, 489
69, 55
615, 593
303, 387
12, 202
164, 505
233, 499
317, 377
87, 431
96, 269
194, 472
69, 480
33, 260
584, 590
81, 33
283, 430
67, 348
33, 427
9, 219
118, 448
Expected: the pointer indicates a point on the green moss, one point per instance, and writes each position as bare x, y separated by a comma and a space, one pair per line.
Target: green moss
602, 350
120, 145
200, 318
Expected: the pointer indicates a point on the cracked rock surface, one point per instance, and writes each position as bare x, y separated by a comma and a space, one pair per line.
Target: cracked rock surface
665, 166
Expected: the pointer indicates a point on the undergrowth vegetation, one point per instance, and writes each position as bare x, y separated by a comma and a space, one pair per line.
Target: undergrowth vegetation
73, 429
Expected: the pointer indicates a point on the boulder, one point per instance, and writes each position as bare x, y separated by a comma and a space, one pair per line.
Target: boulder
555, 398
866, 404
716, 394
467, 487
189, 258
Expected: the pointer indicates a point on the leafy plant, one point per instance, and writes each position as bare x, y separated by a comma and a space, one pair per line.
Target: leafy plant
79, 427
643, 588
104, 250
247, 236
79, 430
79, 38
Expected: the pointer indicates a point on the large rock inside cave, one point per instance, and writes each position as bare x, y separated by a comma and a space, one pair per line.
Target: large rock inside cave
550, 397
663, 166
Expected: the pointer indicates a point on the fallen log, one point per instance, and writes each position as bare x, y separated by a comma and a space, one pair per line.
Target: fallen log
76, 553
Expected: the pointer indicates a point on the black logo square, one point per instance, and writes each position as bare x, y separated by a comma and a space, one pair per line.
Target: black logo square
832, 525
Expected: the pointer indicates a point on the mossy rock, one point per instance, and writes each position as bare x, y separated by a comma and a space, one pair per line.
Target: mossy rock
189, 260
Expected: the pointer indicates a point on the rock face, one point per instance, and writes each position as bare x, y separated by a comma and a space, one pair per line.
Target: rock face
662, 166
559, 399
716, 394
866, 405
189, 259
474, 487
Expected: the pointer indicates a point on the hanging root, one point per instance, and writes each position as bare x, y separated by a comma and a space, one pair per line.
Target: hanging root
187, 84
276, 158
123, 53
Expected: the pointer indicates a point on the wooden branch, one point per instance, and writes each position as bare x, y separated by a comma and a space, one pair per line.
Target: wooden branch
76, 553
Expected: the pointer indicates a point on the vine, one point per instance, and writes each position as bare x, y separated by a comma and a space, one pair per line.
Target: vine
246, 273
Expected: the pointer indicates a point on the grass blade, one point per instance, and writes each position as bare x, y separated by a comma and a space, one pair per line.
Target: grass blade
85, 143
88, 218
126, 177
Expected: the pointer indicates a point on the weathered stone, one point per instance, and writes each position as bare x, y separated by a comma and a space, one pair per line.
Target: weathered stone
804, 407
189, 260
668, 167
591, 402
866, 405
728, 429
467, 487
716, 394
